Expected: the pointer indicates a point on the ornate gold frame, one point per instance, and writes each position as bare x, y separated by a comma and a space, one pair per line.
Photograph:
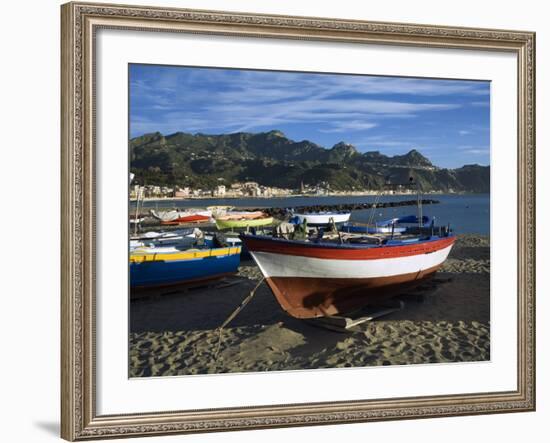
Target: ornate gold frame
79, 23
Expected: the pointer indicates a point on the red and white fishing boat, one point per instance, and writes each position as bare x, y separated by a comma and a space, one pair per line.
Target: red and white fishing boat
175, 217
319, 278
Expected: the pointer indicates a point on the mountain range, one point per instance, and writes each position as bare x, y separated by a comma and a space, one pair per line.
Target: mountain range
272, 159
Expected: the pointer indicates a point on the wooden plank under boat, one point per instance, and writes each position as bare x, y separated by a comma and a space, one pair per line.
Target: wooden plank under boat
317, 279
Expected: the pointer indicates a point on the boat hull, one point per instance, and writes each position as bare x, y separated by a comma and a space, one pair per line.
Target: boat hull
185, 268
315, 281
248, 223
323, 219
195, 218
176, 217
304, 297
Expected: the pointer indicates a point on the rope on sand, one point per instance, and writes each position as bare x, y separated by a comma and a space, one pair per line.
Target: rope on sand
234, 314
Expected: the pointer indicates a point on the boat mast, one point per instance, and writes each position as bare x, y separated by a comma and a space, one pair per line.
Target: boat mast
137, 210
373, 208
418, 202
132, 175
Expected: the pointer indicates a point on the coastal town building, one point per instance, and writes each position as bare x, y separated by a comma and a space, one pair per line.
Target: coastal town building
219, 191
253, 189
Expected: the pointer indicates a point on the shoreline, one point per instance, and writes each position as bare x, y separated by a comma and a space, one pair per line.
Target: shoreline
345, 194
280, 213
448, 320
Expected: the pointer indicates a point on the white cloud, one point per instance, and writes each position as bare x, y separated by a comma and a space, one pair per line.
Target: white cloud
474, 150
345, 126
481, 103
477, 151
240, 100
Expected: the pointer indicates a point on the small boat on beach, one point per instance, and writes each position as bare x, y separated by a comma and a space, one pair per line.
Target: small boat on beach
395, 225
320, 277
243, 220
175, 216
219, 210
321, 218
179, 236
240, 215
186, 261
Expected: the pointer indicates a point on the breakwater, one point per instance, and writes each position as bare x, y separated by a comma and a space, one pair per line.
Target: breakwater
282, 212
342, 207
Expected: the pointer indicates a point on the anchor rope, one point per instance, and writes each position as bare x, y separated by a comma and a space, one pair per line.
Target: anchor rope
234, 314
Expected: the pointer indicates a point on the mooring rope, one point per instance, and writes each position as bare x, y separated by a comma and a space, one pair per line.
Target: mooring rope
373, 210
234, 314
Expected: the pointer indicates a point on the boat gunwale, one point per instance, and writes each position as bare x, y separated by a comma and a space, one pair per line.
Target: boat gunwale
185, 255
331, 245
322, 213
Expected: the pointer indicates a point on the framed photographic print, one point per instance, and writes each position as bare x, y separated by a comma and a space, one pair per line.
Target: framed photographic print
281, 221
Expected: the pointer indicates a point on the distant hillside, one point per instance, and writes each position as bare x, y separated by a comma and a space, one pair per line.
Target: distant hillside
271, 159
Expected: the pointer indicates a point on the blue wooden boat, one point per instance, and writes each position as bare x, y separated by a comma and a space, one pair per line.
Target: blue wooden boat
162, 265
394, 225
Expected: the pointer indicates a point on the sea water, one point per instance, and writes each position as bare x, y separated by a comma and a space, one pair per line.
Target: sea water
466, 213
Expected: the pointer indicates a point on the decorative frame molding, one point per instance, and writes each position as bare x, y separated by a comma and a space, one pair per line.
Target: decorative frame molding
79, 23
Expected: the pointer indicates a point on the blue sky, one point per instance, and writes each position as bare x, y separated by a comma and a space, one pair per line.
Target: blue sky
446, 120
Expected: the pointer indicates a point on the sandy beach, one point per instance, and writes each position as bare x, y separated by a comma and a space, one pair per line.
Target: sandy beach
445, 320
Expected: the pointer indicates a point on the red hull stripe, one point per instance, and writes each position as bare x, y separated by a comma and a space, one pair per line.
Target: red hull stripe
339, 253
187, 219
193, 218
